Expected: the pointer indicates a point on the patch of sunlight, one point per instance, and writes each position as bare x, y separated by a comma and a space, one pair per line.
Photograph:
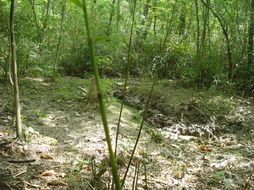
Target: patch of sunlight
183, 132
115, 108
49, 120
222, 164
174, 134
246, 165
37, 79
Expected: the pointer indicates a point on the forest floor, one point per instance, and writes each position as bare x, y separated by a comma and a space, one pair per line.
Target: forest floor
192, 139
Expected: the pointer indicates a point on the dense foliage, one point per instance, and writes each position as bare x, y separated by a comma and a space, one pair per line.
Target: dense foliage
207, 42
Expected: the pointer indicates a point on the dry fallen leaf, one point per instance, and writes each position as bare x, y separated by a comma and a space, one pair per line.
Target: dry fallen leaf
192, 180
62, 174
203, 147
101, 150
205, 159
57, 182
48, 173
3, 134
88, 168
178, 175
222, 145
47, 156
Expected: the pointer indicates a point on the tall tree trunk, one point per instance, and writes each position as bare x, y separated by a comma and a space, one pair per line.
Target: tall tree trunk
118, 14
226, 36
93, 17
155, 17
205, 26
36, 21
143, 31
182, 19
18, 123
59, 38
168, 26
45, 23
202, 43
198, 32
112, 12
250, 36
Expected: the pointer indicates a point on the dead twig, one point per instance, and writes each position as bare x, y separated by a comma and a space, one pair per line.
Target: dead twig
32, 185
21, 161
20, 173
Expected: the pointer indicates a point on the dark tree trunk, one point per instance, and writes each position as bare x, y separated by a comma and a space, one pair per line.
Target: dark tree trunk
168, 27
59, 38
36, 21
155, 18
182, 19
112, 12
226, 36
118, 14
198, 32
143, 31
250, 36
45, 23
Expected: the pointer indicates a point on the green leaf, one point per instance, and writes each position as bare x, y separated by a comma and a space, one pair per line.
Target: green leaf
229, 184
220, 173
77, 2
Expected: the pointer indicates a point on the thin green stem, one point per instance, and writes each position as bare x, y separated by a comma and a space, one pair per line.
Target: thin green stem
134, 177
137, 176
140, 130
126, 77
146, 184
116, 178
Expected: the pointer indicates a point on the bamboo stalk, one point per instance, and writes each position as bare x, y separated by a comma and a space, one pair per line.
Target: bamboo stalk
116, 178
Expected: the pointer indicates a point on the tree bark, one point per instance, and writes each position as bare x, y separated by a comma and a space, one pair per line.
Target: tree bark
168, 27
112, 12
202, 42
45, 23
18, 123
198, 32
59, 39
205, 26
143, 31
40, 39
182, 19
226, 36
118, 14
250, 36
155, 17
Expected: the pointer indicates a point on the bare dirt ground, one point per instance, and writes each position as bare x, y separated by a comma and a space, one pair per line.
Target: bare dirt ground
66, 147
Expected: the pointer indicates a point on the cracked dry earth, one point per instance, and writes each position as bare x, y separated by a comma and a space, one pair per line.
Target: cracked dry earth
66, 145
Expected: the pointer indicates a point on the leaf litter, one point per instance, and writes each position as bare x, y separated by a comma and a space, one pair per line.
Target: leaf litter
68, 148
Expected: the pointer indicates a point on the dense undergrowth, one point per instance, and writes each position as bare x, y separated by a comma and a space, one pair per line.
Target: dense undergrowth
52, 41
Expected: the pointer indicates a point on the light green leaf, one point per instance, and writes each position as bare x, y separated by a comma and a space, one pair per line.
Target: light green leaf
229, 184
77, 2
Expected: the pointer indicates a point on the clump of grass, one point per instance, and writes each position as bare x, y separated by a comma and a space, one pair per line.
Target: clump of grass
76, 180
156, 136
68, 90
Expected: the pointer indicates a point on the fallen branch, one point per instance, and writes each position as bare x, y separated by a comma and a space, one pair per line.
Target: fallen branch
20, 173
32, 185
21, 161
